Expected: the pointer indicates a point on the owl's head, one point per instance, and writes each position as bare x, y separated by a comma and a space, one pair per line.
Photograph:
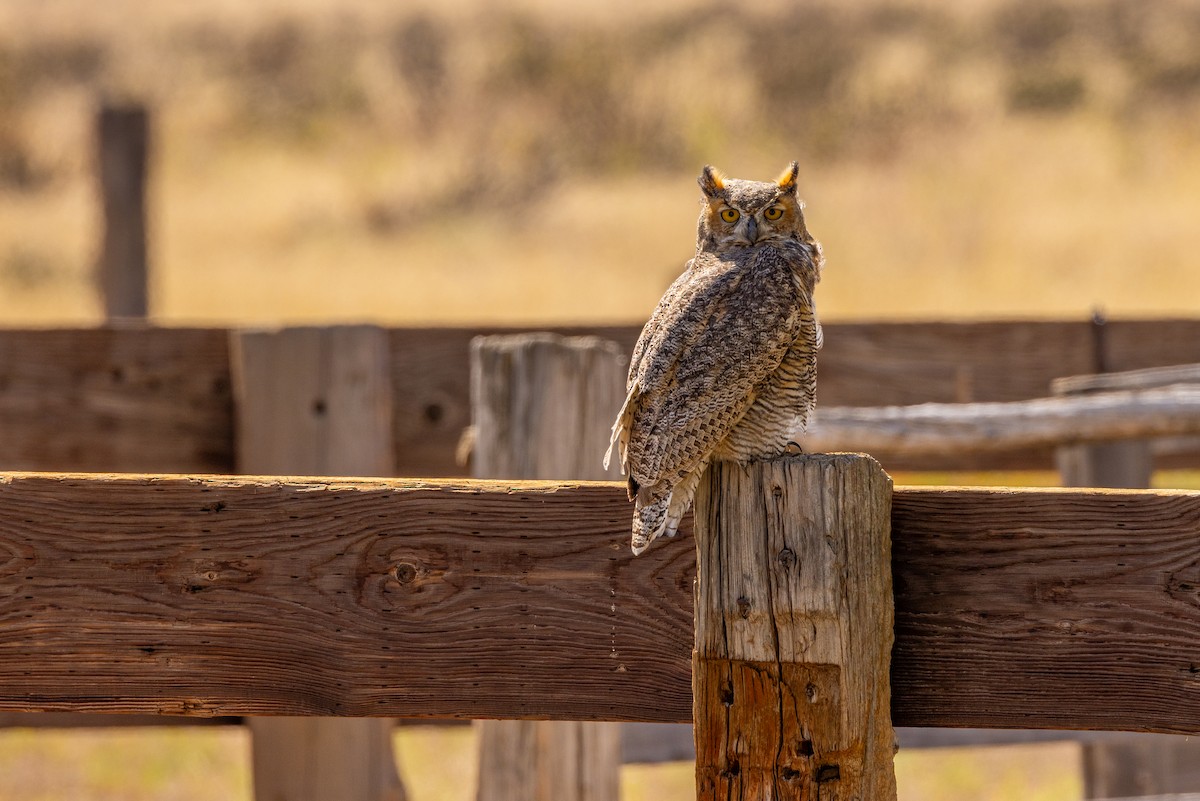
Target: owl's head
736, 213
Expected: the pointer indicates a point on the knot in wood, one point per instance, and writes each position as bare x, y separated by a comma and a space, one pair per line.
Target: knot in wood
787, 558
743, 607
828, 773
405, 573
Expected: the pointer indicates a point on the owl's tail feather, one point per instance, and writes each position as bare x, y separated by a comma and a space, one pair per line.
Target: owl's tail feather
620, 432
649, 523
681, 498
656, 515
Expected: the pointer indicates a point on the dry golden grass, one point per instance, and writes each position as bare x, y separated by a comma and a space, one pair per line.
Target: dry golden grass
465, 165
439, 765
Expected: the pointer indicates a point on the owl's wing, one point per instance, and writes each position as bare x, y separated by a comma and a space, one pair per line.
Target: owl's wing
726, 329
650, 332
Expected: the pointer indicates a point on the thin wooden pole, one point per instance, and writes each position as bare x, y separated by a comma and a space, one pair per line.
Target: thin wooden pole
542, 406
316, 401
794, 629
122, 134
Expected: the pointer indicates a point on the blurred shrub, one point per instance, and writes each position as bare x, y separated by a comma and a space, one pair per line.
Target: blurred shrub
536, 97
1037, 90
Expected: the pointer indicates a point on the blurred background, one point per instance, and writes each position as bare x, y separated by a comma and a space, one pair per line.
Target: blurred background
464, 161
532, 163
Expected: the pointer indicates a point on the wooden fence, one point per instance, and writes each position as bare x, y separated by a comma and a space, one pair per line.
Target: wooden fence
139, 398
160, 399
213, 596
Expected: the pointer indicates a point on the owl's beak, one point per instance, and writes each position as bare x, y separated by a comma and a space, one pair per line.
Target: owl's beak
751, 230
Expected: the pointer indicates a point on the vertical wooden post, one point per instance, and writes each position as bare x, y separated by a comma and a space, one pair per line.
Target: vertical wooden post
1124, 464
317, 402
794, 629
122, 134
542, 407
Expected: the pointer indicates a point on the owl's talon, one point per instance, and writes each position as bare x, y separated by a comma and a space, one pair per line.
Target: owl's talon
793, 449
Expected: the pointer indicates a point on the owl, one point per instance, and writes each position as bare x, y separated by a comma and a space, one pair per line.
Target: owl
725, 369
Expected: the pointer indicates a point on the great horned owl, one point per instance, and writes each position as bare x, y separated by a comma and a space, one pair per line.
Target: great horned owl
726, 367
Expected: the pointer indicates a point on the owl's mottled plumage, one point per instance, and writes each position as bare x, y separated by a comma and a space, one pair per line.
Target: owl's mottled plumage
726, 367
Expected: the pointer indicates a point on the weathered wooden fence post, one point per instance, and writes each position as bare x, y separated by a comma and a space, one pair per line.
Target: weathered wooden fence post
794, 629
542, 406
122, 134
317, 401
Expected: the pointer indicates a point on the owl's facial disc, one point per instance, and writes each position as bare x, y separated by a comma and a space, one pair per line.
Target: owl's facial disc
738, 213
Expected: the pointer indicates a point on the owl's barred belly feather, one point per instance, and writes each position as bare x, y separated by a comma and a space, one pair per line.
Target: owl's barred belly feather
725, 369
781, 410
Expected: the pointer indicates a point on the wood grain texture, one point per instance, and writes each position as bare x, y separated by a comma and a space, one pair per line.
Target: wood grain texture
793, 630
130, 399
431, 371
1086, 604
213, 596
341, 597
317, 400
158, 399
314, 401
542, 407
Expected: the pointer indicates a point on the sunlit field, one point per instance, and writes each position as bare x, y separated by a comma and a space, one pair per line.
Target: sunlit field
461, 162
532, 164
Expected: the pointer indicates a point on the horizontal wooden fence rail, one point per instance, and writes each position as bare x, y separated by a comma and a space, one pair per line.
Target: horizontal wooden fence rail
229, 596
144, 399
947, 429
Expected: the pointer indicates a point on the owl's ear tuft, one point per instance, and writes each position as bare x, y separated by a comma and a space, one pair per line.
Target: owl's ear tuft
787, 178
712, 182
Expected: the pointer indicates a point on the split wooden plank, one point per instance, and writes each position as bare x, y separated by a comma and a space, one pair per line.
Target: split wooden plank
231, 596
794, 630
317, 400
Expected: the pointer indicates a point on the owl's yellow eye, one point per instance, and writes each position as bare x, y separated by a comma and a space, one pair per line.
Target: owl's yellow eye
773, 213
730, 215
